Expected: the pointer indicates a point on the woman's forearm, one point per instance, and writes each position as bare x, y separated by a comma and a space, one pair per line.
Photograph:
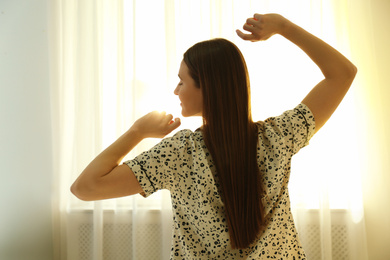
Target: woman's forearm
113, 155
332, 63
107, 160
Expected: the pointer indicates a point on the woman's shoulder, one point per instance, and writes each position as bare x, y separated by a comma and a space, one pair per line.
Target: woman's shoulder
187, 134
293, 128
301, 114
185, 137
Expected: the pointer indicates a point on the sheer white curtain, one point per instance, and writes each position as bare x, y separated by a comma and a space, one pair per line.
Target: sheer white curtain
114, 61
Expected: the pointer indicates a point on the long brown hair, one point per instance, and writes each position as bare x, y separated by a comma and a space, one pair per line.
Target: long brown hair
219, 69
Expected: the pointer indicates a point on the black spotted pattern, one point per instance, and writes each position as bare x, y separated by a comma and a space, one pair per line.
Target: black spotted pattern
183, 165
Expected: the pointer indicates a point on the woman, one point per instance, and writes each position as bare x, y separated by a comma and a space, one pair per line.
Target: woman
228, 179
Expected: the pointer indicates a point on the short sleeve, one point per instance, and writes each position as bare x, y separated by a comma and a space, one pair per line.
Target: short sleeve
155, 169
296, 127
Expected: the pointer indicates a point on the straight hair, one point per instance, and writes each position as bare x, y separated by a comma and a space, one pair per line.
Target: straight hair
219, 70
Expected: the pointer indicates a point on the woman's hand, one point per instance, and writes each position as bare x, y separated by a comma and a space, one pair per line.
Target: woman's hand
262, 27
155, 125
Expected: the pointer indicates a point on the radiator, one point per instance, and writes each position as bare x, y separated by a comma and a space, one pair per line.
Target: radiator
309, 230
122, 241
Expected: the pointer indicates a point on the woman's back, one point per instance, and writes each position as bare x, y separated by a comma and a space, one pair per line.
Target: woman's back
183, 165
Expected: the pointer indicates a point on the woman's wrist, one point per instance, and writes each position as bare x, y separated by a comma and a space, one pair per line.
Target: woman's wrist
135, 134
287, 28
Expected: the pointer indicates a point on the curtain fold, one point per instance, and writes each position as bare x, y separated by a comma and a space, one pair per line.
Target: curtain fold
114, 61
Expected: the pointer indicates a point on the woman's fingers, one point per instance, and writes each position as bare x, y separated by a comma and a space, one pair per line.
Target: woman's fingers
175, 123
252, 25
248, 27
257, 16
168, 118
245, 36
168, 124
253, 21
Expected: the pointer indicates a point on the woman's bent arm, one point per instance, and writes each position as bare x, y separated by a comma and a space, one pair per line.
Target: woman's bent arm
104, 178
338, 71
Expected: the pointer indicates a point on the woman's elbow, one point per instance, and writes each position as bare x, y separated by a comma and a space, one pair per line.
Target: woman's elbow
351, 71
348, 75
80, 191
354, 70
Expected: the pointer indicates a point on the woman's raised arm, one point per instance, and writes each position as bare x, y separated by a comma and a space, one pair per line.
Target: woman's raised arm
338, 71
